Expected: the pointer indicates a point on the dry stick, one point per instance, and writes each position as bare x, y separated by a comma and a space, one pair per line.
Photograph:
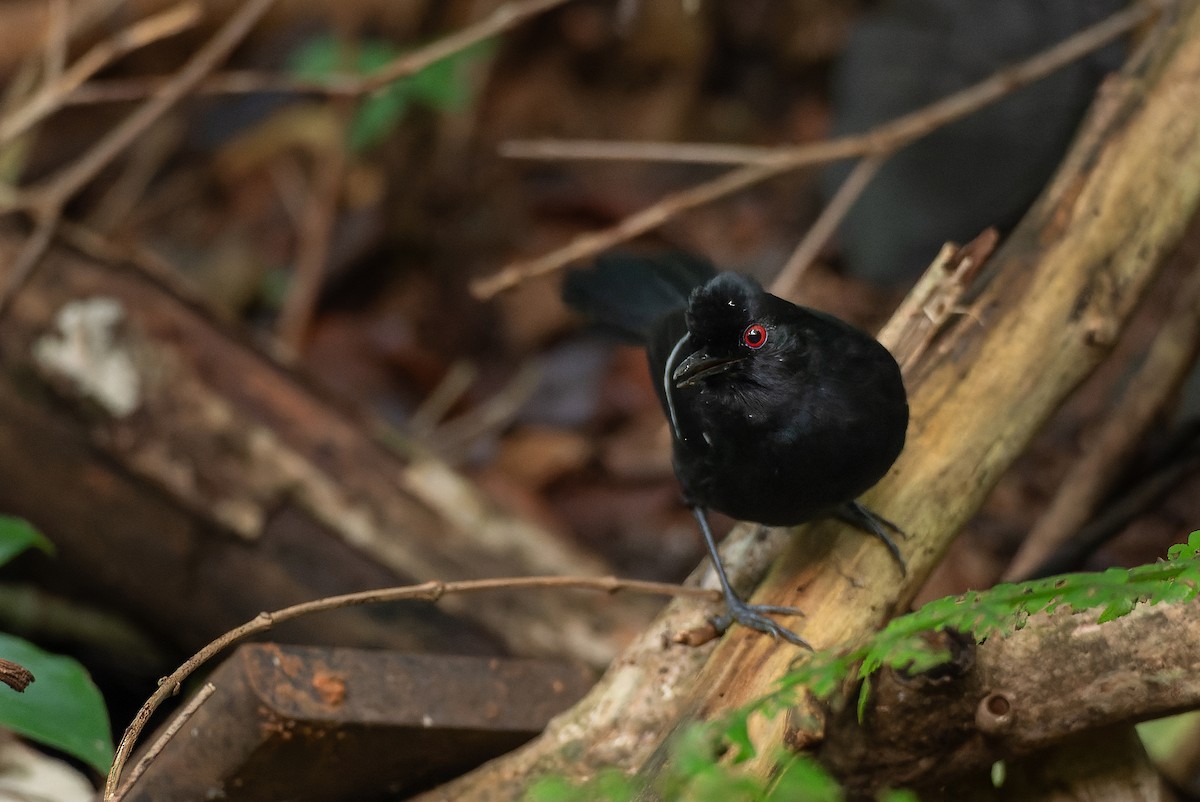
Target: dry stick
15, 675
501, 20
175, 726
651, 217
232, 82
58, 31
880, 141
312, 246
1166, 364
599, 150
492, 415
448, 392
427, 591
46, 200
52, 96
786, 282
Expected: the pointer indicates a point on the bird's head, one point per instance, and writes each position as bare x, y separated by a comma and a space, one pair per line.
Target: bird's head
730, 325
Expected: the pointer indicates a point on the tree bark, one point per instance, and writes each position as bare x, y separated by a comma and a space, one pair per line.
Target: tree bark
1060, 677
1045, 311
184, 474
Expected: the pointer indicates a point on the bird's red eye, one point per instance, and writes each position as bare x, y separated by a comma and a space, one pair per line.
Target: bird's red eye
755, 336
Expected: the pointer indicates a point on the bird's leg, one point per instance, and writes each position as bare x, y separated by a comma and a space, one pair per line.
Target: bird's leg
748, 615
860, 516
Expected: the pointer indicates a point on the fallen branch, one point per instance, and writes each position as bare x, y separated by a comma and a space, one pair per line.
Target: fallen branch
770, 162
51, 97
240, 82
988, 705
426, 591
45, 201
15, 675
1154, 383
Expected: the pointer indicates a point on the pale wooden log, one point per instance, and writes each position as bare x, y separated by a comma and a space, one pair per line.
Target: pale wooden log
186, 475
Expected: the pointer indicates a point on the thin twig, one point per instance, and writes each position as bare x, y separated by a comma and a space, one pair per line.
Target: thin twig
1155, 381
312, 243
448, 392
32, 252
1146, 494
46, 200
502, 19
15, 675
826, 223
175, 726
232, 82
53, 94
58, 31
600, 150
649, 218
881, 141
936, 299
499, 21
454, 436
70, 179
427, 591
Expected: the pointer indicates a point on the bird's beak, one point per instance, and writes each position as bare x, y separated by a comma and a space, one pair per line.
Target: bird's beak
700, 365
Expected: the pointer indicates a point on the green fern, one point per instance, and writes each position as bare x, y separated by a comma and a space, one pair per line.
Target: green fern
696, 771
1003, 608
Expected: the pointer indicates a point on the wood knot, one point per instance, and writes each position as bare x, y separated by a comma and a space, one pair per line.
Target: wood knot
995, 713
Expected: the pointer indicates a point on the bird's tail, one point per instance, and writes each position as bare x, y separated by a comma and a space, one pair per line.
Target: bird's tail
625, 294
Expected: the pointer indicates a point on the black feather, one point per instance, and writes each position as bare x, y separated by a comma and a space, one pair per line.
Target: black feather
625, 294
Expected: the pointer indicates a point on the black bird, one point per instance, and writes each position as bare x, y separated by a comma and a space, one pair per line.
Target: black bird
779, 413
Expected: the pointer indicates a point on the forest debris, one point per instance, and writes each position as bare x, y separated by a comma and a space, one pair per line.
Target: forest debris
1089, 677
15, 675
85, 350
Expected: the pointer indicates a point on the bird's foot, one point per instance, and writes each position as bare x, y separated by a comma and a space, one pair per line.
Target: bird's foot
756, 616
862, 517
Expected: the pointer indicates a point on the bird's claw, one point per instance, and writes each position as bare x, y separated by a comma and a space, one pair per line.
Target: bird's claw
863, 517
755, 616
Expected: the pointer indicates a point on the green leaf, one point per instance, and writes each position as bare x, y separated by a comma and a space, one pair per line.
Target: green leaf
376, 118
801, 777
864, 695
62, 708
898, 795
738, 735
442, 85
319, 58
1185, 551
17, 535
610, 785
445, 84
999, 773
1116, 609
614, 786
552, 789
695, 771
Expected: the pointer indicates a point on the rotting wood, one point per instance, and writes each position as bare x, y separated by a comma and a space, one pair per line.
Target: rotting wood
132, 423
296, 722
1088, 677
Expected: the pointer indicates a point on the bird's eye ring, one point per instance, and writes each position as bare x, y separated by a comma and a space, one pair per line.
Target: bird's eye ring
755, 336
